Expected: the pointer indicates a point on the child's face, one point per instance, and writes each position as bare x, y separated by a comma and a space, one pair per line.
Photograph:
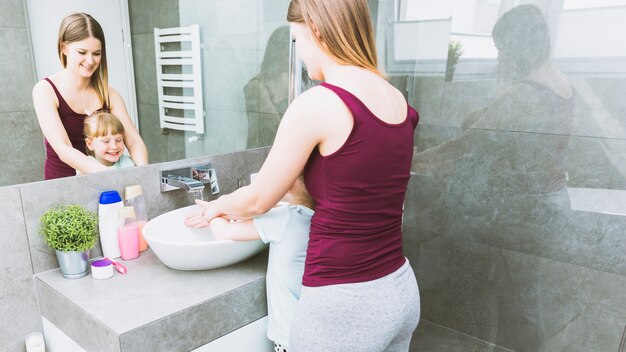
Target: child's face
107, 149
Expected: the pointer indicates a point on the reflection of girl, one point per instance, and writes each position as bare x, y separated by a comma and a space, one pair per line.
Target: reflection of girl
104, 136
63, 100
353, 136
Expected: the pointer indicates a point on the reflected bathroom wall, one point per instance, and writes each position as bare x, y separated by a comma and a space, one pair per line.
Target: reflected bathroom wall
517, 199
22, 142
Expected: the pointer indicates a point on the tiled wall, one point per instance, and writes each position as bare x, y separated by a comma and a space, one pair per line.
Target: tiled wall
23, 252
245, 85
24, 154
244, 71
145, 15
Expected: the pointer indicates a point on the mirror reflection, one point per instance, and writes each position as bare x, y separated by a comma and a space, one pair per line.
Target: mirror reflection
243, 57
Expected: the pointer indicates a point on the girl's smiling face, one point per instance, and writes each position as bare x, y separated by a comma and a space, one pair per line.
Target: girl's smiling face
107, 149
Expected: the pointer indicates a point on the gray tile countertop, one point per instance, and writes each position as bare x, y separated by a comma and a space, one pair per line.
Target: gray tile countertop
152, 307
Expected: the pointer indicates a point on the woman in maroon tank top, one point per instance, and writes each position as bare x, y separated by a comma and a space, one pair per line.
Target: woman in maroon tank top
63, 100
352, 136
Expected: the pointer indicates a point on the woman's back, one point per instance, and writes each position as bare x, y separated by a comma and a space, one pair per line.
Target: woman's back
358, 186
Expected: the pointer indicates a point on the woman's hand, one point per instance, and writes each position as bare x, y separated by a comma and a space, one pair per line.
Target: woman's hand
203, 216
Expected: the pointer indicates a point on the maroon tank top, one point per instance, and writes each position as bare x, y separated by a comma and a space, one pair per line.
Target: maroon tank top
356, 231
73, 124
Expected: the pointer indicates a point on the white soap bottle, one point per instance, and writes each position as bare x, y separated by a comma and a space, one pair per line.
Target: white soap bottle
108, 210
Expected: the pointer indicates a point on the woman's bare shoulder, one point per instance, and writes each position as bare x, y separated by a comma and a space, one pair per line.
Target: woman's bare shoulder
317, 100
43, 91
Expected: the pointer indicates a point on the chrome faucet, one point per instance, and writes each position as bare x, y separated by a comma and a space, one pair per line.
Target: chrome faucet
192, 179
171, 182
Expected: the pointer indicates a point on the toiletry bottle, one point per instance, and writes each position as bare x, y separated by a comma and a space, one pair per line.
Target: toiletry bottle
134, 197
128, 233
108, 210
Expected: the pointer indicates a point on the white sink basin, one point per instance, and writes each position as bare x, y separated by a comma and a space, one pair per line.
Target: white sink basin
183, 248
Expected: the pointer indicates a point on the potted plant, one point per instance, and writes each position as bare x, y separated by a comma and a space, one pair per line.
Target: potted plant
455, 50
71, 230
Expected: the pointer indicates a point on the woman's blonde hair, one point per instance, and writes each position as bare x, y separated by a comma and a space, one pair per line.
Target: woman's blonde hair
100, 124
78, 26
344, 26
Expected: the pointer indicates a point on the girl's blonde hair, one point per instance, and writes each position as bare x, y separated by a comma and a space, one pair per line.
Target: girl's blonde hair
344, 26
300, 195
78, 26
100, 124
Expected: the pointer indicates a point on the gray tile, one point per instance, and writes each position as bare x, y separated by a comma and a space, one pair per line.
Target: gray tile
518, 301
151, 133
144, 64
88, 332
225, 75
509, 190
18, 304
226, 131
268, 125
274, 73
224, 25
28, 167
144, 16
435, 338
274, 11
253, 130
200, 324
168, 13
17, 73
12, 14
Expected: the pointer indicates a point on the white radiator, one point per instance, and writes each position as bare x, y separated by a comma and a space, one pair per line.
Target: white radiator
179, 49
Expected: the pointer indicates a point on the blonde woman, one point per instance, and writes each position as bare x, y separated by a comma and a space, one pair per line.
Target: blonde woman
63, 100
353, 137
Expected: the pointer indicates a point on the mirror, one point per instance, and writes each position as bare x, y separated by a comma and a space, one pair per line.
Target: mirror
244, 60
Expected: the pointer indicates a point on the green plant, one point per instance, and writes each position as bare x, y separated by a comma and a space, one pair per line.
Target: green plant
455, 50
69, 228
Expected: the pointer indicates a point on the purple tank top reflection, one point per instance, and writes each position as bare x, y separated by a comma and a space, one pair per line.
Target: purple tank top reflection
72, 121
356, 231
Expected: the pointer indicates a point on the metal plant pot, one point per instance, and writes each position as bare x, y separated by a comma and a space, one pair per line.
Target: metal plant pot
74, 264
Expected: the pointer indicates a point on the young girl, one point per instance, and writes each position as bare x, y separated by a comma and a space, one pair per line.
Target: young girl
286, 229
104, 138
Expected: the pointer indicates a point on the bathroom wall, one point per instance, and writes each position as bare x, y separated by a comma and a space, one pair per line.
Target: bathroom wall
145, 15
514, 219
24, 153
245, 86
24, 254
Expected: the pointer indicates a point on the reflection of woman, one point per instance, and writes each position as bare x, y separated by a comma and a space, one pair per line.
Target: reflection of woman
267, 92
63, 100
507, 168
353, 136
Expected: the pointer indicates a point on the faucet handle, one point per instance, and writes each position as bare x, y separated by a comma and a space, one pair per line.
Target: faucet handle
206, 174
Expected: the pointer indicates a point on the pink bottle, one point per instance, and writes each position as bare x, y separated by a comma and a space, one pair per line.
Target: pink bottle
128, 233
134, 197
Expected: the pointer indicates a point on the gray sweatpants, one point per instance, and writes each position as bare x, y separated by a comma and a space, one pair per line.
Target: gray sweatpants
373, 316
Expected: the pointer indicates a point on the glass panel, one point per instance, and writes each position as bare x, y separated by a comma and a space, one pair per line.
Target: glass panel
514, 218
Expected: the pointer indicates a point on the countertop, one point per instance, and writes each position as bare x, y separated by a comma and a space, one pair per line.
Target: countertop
153, 307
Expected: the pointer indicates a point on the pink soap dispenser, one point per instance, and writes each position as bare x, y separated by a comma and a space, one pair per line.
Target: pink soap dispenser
128, 233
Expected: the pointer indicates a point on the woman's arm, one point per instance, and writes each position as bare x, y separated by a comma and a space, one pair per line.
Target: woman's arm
306, 123
132, 139
243, 230
46, 106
